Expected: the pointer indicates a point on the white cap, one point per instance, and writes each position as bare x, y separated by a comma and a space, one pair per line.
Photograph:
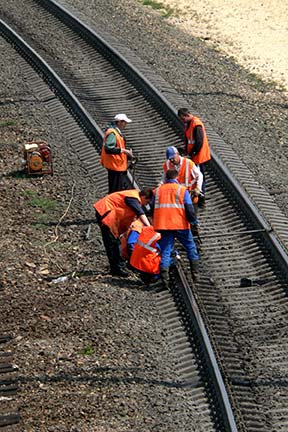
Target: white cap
122, 117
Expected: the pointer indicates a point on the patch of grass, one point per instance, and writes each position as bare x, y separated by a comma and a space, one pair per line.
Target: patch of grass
5, 123
41, 203
153, 4
42, 222
165, 11
88, 350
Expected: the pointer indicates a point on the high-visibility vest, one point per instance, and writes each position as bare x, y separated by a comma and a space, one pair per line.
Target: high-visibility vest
185, 177
115, 162
137, 226
204, 154
169, 209
145, 256
115, 213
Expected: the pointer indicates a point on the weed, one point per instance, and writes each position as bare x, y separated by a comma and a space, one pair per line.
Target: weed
88, 350
166, 11
6, 123
41, 203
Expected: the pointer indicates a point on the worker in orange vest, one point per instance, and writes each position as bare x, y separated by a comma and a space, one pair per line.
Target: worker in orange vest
114, 213
129, 238
146, 255
196, 144
173, 212
114, 155
189, 174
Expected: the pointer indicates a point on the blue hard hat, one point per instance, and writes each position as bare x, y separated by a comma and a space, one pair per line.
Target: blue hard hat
171, 151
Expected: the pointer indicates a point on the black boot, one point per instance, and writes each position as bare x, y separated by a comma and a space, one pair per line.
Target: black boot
118, 271
194, 267
164, 273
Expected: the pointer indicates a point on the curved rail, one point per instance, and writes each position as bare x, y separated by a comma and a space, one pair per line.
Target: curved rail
260, 223
151, 92
94, 133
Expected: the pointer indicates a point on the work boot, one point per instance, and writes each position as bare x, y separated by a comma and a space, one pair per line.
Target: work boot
164, 273
194, 267
119, 272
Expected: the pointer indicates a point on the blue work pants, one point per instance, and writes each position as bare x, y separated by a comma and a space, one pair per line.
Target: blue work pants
167, 245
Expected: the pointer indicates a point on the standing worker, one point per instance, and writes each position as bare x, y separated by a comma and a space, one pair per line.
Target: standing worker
189, 174
114, 155
196, 144
173, 212
115, 212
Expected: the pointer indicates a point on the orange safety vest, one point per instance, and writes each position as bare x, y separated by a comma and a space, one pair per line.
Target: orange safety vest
116, 214
115, 162
137, 226
169, 209
145, 256
184, 177
204, 153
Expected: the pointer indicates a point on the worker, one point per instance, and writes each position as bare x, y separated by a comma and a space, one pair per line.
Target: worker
189, 174
145, 261
146, 255
129, 238
114, 213
196, 145
114, 155
173, 212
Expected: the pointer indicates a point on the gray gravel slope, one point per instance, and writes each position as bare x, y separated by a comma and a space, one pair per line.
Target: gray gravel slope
248, 114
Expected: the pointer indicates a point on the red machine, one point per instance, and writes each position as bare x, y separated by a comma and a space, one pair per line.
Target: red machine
38, 158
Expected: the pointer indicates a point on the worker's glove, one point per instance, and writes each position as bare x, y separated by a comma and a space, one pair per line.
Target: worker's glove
196, 192
195, 229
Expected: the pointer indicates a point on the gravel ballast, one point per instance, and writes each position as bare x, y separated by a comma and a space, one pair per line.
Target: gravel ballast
91, 351
92, 355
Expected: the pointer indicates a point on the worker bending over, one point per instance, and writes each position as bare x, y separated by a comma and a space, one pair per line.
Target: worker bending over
189, 174
114, 213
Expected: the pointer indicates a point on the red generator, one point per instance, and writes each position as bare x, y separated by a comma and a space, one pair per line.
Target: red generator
38, 158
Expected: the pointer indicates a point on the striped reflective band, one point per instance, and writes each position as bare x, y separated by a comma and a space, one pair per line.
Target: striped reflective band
147, 245
173, 205
187, 173
191, 140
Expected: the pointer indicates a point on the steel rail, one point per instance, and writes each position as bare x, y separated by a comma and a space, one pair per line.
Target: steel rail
151, 92
191, 304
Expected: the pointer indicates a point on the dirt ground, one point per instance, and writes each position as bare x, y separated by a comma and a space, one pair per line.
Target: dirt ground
59, 329
256, 34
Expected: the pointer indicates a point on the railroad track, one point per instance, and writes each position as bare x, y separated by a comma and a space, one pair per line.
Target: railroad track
244, 233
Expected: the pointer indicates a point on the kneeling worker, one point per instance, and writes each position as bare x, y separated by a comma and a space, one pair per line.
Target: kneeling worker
115, 212
129, 239
146, 256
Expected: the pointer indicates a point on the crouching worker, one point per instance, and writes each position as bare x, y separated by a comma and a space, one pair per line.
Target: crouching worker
129, 239
146, 255
114, 214
173, 212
